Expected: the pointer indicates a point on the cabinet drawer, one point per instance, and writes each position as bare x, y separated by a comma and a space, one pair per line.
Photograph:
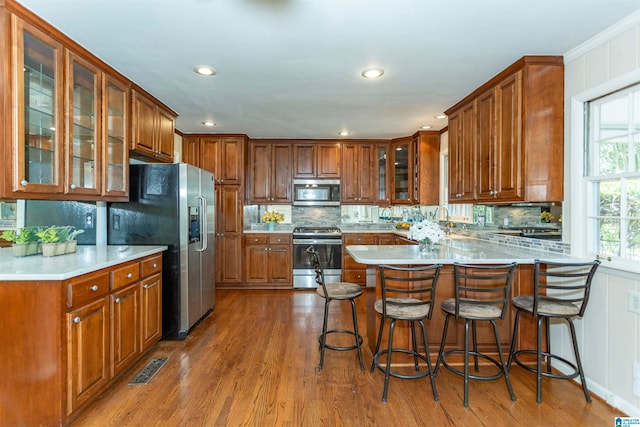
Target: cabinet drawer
124, 275
85, 288
151, 266
255, 240
355, 276
279, 239
359, 239
348, 263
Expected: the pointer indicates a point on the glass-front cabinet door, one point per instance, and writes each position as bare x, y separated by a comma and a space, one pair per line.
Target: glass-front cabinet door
402, 172
38, 99
83, 139
382, 175
116, 144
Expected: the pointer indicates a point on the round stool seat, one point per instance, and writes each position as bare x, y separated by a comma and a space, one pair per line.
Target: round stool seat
340, 290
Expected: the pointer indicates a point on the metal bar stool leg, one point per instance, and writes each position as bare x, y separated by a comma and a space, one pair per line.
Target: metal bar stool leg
373, 362
357, 333
387, 372
539, 361
432, 374
466, 363
514, 339
444, 337
323, 337
505, 371
475, 345
578, 362
414, 344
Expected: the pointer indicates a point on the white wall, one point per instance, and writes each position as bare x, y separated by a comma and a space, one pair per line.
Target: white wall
609, 334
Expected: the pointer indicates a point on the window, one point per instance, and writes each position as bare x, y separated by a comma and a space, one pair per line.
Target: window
613, 174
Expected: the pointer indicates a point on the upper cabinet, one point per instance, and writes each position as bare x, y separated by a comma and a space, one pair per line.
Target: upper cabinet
66, 117
269, 172
506, 138
222, 155
36, 119
381, 174
152, 128
316, 160
401, 171
426, 167
358, 169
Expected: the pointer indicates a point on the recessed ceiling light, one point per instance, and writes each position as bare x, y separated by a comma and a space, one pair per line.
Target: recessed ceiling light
205, 70
208, 123
372, 73
343, 133
426, 127
440, 116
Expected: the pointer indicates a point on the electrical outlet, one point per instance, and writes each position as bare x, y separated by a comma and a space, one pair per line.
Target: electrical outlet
88, 221
634, 302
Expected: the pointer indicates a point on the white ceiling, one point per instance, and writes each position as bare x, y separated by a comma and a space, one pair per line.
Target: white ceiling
291, 68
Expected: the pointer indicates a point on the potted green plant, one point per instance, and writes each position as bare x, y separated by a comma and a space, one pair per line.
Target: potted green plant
25, 241
72, 243
50, 237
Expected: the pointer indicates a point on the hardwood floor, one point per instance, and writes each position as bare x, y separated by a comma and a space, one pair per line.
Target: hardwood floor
253, 362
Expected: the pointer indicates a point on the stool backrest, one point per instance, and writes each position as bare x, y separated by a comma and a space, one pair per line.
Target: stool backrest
563, 282
410, 286
317, 267
483, 284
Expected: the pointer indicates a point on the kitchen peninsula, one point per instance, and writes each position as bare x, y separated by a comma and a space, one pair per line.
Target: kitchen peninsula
73, 323
453, 249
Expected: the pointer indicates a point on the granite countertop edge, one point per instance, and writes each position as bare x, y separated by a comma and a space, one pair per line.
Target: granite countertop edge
86, 259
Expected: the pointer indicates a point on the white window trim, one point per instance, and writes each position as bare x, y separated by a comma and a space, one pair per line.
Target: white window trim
579, 199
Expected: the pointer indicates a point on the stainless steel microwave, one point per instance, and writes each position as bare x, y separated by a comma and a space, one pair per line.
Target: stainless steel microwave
316, 192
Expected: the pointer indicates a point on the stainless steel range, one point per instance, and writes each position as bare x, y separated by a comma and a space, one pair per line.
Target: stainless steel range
327, 241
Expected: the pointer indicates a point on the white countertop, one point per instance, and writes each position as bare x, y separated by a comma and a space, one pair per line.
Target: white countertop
453, 249
85, 260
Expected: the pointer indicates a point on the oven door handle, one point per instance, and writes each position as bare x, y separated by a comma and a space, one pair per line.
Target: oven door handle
317, 242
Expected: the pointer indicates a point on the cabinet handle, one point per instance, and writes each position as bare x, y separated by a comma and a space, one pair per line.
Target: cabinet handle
76, 319
129, 275
146, 287
94, 288
108, 190
117, 300
155, 265
24, 182
73, 186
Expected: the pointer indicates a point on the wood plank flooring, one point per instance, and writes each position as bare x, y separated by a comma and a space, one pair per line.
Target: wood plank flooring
253, 362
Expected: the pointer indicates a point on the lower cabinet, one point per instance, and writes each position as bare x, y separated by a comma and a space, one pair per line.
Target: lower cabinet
114, 316
87, 352
268, 260
351, 270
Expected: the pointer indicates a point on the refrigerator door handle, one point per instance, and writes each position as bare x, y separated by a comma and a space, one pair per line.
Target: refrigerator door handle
203, 224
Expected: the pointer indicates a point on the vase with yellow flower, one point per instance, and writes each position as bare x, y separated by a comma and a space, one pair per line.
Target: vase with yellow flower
272, 218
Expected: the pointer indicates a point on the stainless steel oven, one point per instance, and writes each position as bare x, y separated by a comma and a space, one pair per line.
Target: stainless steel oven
327, 241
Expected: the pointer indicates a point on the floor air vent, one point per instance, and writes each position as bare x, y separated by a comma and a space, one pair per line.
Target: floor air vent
149, 371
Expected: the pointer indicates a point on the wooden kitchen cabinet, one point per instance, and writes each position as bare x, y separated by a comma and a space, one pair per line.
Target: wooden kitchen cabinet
88, 340
316, 160
76, 337
68, 133
401, 171
152, 128
36, 150
513, 118
125, 327
269, 170
359, 167
351, 270
381, 174
462, 143
222, 155
268, 260
426, 170
229, 235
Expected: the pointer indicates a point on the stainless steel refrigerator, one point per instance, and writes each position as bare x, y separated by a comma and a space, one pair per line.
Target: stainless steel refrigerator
172, 205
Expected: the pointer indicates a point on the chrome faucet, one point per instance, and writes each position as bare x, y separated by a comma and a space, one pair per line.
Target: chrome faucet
447, 225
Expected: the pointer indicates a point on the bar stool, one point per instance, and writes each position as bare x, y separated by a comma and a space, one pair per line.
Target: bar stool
561, 291
481, 294
340, 291
408, 294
